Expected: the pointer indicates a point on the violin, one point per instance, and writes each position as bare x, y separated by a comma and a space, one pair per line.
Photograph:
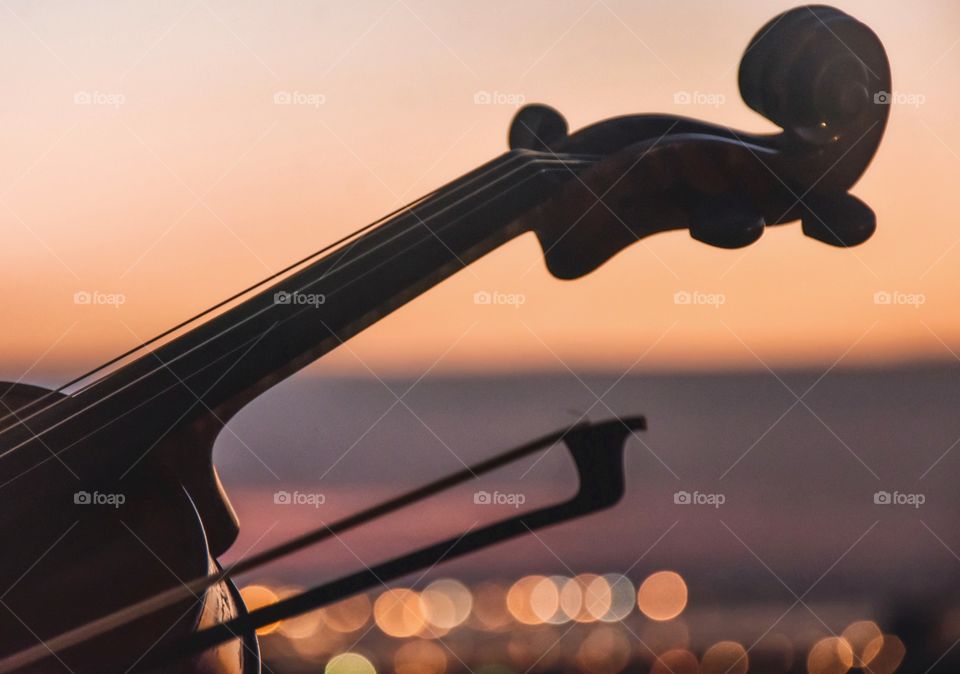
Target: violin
113, 516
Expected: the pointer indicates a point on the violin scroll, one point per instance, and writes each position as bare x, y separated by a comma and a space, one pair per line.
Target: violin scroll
816, 72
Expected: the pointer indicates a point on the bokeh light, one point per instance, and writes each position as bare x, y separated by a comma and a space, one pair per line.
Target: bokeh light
349, 663
258, 596
662, 596
398, 613
889, 655
530, 615
831, 655
725, 657
865, 639
586, 598
622, 597
606, 650
597, 597
324, 644
571, 599
545, 600
490, 607
420, 657
446, 603
519, 600
301, 626
348, 615
676, 661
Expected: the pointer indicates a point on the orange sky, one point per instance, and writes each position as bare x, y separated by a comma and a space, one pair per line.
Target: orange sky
182, 181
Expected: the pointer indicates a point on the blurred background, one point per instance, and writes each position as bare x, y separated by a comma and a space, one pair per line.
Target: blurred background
791, 507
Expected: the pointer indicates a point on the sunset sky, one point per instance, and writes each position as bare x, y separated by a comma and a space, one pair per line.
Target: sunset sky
161, 155
144, 155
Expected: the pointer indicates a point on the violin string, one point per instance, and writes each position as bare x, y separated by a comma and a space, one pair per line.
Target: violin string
129, 352
564, 166
452, 184
227, 329
192, 589
181, 380
235, 296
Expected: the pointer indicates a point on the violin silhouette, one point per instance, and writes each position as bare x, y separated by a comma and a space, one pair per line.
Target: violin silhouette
112, 514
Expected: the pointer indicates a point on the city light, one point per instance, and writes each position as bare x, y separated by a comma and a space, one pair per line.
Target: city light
589, 623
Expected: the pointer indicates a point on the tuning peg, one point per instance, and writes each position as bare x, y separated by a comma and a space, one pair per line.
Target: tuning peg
537, 127
839, 220
727, 223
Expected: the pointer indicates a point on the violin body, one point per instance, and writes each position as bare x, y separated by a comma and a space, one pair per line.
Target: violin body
108, 496
121, 536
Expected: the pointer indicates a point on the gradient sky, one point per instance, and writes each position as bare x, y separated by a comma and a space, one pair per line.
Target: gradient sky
183, 181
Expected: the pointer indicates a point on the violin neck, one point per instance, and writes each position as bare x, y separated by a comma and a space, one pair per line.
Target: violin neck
234, 357
193, 384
